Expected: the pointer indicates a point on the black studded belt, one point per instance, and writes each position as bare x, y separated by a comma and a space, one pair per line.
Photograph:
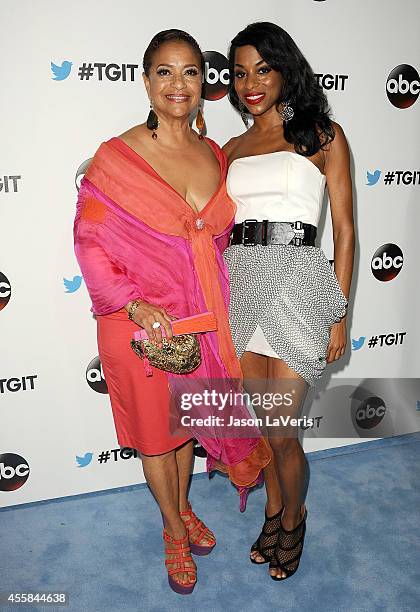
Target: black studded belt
252, 232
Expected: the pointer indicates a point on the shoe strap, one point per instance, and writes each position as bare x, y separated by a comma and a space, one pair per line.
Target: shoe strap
197, 525
188, 570
194, 523
177, 546
295, 545
283, 565
168, 538
180, 561
181, 553
188, 512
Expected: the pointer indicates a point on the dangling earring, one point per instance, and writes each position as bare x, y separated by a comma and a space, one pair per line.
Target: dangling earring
286, 112
200, 123
244, 116
153, 122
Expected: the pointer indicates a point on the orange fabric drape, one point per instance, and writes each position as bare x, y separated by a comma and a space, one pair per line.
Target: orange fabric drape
134, 186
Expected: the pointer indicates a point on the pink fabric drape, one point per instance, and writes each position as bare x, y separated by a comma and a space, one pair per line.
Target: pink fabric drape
135, 237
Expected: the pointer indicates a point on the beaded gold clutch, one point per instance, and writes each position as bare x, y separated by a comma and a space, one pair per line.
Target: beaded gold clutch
180, 356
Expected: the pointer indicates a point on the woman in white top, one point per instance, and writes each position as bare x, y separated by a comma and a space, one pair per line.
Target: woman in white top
288, 306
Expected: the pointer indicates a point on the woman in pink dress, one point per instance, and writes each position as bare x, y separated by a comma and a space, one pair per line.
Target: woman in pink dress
153, 218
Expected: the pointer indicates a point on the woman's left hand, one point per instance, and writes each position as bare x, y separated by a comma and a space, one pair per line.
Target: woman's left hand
338, 341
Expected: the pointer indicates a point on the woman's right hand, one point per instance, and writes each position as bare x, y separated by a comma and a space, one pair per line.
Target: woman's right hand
146, 314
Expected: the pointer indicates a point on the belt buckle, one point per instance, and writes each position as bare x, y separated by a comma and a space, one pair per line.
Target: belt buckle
299, 233
245, 227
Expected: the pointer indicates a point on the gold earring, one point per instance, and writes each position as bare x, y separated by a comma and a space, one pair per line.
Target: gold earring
200, 123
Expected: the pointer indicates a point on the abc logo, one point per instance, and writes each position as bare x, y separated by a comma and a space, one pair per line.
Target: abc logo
403, 86
81, 171
5, 291
216, 75
95, 376
387, 262
14, 472
370, 412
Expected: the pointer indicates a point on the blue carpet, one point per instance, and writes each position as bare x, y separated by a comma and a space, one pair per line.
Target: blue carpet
362, 551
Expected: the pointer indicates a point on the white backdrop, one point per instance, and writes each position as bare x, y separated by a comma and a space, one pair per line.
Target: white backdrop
49, 412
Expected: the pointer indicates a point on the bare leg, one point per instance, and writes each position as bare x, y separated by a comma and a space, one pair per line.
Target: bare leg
272, 485
255, 372
184, 455
161, 472
289, 457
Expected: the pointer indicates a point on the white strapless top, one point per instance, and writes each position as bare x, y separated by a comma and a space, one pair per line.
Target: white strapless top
279, 186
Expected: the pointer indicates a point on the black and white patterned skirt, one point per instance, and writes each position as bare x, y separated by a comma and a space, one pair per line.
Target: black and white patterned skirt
285, 296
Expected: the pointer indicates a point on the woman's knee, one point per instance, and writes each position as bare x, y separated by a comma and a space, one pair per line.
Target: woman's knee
284, 446
162, 459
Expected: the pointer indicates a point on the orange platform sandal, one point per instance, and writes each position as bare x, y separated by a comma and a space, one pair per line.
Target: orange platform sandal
197, 531
181, 554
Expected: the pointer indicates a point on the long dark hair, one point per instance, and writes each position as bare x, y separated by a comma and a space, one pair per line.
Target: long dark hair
168, 36
311, 128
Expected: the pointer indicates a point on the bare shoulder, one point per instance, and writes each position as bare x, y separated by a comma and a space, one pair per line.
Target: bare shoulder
337, 155
135, 134
337, 151
230, 146
340, 140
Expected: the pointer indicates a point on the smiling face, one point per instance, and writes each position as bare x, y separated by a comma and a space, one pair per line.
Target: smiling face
257, 85
174, 81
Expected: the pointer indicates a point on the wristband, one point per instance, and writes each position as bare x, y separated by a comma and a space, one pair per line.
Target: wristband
134, 305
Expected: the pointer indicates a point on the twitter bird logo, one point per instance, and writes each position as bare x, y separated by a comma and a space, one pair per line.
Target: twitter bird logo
373, 177
72, 285
61, 72
85, 460
357, 344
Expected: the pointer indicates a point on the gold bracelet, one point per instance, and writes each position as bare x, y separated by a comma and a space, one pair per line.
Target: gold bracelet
134, 305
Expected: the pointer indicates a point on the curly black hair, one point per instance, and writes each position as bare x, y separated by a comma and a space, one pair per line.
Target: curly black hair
311, 128
169, 36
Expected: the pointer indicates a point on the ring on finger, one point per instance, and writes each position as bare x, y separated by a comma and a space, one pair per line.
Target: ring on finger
156, 325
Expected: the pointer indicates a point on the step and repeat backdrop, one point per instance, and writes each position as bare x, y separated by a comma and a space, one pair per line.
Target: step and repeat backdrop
71, 79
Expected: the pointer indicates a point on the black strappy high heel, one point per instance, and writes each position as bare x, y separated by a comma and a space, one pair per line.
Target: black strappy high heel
289, 549
267, 540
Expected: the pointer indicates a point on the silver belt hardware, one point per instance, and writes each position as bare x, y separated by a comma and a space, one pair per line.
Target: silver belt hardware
245, 227
299, 233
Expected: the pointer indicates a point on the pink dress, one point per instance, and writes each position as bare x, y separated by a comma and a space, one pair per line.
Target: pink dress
136, 237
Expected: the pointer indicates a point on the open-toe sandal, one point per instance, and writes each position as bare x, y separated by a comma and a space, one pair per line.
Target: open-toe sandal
180, 554
197, 533
288, 550
267, 540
